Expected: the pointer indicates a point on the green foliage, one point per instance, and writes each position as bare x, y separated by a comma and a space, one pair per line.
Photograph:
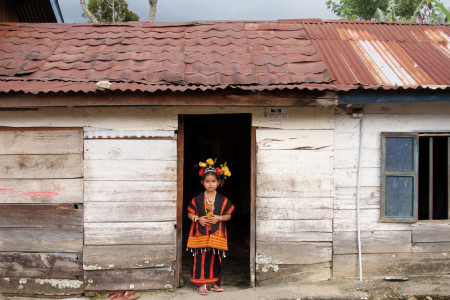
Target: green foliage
426, 11
103, 11
390, 10
366, 9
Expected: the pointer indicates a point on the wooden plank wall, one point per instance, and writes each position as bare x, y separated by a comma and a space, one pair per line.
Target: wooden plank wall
41, 211
294, 205
130, 210
387, 248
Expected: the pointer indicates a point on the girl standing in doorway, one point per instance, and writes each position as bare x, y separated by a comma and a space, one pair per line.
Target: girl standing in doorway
208, 234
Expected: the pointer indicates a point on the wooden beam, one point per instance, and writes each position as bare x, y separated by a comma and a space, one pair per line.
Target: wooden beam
370, 96
292, 98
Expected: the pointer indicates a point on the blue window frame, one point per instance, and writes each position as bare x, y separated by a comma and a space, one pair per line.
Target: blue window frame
399, 177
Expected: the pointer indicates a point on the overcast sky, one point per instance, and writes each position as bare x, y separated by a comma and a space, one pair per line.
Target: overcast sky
194, 10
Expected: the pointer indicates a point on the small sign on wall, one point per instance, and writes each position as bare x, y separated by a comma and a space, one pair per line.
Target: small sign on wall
275, 113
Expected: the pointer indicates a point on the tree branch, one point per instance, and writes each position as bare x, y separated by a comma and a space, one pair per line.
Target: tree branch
87, 12
152, 14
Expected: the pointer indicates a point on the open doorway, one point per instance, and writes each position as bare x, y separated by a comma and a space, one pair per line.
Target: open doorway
228, 138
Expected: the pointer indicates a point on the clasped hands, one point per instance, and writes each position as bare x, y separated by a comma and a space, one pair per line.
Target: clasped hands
208, 220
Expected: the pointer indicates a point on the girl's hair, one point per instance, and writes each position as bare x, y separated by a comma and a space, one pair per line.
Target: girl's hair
211, 173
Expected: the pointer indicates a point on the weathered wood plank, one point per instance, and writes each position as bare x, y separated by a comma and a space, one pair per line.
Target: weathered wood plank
350, 140
143, 233
186, 99
348, 177
294, 162
95, 133
131, 118
430, 232
41, 142
376, 123
42, 216
39, 286
130, 170
41, 240
130, 191
345, 220
131, 279
128, 257
399, 264
294, 209
345, 123
299, 118
41, 166
100, 212
294, 231
345, 197
392, 241
130, 149
293, 273
431, 247
299, 186
40, 265
293, 253
348, 158
315, 140
41, 191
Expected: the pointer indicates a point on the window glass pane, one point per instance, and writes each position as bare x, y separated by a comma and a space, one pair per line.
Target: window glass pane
399, 196
399, 154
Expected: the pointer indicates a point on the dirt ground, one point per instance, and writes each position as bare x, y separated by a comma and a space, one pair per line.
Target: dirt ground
418, 288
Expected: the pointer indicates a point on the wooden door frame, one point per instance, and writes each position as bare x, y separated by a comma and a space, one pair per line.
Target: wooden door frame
179, 221
253, 207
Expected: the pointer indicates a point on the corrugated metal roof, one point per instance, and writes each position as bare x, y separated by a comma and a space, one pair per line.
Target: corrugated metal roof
246, 55
384, 54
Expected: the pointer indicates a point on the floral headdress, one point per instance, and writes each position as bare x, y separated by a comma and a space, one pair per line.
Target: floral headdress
210, 166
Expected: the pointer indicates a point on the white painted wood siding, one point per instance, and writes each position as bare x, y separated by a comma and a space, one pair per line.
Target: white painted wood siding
387, 248
130, 199
294, 205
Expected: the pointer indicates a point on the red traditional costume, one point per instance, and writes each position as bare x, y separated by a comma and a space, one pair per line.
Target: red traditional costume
208, 243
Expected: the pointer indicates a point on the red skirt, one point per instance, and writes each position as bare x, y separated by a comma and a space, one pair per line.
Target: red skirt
206, 267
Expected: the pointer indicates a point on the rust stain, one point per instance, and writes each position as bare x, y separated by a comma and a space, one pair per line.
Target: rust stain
29, 195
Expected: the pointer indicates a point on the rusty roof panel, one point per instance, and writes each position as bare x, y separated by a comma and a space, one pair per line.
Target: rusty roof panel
384, 54
246, 55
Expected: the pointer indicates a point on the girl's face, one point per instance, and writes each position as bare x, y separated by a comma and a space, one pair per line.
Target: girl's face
210, 183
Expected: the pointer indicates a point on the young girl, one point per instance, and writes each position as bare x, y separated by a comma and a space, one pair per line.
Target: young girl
208, 234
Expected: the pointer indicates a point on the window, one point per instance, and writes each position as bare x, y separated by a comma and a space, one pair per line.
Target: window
415, 177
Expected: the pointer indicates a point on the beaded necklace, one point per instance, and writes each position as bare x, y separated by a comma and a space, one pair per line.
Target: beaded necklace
209, 205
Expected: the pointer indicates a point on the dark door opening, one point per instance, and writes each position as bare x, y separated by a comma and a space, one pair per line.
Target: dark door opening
228, 138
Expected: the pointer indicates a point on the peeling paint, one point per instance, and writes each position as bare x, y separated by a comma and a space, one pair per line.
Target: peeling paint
60, 283
444, 253
110, 266
160, 265
22, 281
131, 286
168, 286
6, 279
268, 263
91, 267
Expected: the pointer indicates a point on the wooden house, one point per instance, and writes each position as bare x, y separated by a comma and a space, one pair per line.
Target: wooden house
336, 133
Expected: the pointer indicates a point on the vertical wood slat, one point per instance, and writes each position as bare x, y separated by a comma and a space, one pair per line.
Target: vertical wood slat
430, 179
448, 176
